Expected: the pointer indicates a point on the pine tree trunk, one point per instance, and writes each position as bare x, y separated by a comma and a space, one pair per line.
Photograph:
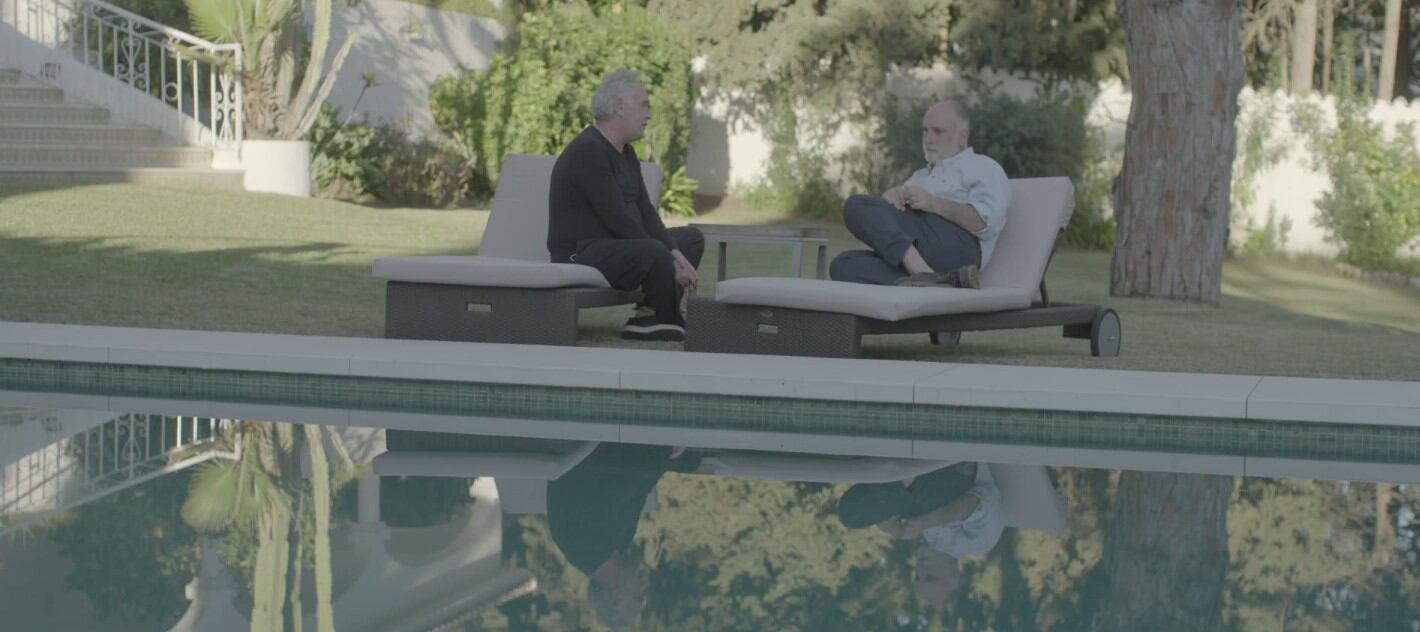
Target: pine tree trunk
1383, 554
1172, 200
1328, 42
1303, 46
1405, 62
1386, 90
1167, 553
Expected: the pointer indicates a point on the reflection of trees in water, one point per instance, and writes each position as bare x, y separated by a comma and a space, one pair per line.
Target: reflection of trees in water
279, 518
131, 554
741, 555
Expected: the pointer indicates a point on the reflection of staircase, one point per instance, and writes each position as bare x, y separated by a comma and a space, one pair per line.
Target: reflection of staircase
100, 460
46, 141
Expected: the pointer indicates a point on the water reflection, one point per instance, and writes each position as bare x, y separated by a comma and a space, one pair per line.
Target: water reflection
437, 531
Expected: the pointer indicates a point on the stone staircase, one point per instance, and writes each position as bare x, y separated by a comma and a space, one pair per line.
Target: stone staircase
46, 141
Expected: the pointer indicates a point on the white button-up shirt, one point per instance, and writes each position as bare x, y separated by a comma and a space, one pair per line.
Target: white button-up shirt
970, 178
978, 533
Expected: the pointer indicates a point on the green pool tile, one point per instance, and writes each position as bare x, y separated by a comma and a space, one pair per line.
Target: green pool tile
1237, 437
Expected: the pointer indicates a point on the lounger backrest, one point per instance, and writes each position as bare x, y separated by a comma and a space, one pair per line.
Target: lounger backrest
1029, 499
1040, 207
517, 225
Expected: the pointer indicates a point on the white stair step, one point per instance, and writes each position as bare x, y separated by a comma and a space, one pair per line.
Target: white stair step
181, 178
30, 94
51, 113
78, 134
102, 156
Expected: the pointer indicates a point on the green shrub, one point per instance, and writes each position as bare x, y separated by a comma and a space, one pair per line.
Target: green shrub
1371, 208
536, 95
1258, 150
423, 173
1044, 136
795, 180
345, 157
360, 162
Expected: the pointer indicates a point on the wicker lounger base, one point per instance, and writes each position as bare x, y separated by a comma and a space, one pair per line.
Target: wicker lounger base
725, 328
429, 311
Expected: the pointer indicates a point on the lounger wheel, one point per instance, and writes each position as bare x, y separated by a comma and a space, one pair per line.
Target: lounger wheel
1105, 334
946, 338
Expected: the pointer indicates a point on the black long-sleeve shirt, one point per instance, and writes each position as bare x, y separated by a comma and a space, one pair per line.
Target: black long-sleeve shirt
598, 193
593, 509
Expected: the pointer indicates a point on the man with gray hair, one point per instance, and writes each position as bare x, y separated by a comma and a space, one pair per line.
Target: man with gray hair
602, 216
939, 227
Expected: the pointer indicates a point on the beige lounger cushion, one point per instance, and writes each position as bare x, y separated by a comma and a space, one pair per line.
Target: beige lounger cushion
882, 302
514, 251
487, 271
1039, 208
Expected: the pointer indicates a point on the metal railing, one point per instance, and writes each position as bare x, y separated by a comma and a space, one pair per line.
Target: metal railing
126, 451
197, 78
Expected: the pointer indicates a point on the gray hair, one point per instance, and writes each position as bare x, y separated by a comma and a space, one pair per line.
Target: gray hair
614, 86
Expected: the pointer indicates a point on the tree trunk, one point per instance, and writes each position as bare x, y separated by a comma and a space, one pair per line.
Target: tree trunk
1366, 74
1167, 553
1386, 90
1405, 62
1172, 199
1383, 553
1303, 46
1328, 42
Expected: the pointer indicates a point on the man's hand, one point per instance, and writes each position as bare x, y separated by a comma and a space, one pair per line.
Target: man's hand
959, 213
902, 528
685, 275
918, 198
894, 197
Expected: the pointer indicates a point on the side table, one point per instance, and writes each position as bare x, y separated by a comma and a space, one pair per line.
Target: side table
794, 236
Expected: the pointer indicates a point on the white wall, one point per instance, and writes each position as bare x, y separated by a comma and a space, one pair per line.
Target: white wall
1296, 184
407, 47
726, 156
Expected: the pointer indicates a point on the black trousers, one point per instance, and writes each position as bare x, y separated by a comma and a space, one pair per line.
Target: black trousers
888, 231
629, 264
867, 504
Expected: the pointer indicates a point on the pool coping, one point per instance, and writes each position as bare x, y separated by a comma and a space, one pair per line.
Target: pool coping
1373, 402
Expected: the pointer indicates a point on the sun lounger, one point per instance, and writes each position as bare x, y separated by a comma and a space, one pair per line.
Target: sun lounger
810, 317
510, 292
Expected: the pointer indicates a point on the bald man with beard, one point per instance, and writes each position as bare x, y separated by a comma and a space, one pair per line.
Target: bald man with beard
937, 229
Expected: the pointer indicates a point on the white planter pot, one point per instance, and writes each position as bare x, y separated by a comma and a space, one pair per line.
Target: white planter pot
277, 166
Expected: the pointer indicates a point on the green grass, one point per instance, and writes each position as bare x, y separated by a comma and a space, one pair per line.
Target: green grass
151, 257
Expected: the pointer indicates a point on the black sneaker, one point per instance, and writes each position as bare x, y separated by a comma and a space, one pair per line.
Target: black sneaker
964, 277
648, 328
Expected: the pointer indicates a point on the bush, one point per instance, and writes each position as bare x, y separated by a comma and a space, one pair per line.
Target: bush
1045, 136
360, 162
345, 157
1258, 150
1371, 207
536, 95
795, 180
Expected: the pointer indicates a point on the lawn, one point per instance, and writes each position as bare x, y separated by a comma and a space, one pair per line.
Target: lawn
151, 257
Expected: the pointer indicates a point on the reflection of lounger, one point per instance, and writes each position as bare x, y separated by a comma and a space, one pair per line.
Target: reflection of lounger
510, 292
1030, 500
811, 317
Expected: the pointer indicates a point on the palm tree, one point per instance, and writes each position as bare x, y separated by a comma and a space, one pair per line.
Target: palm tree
272, 41
265, 490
